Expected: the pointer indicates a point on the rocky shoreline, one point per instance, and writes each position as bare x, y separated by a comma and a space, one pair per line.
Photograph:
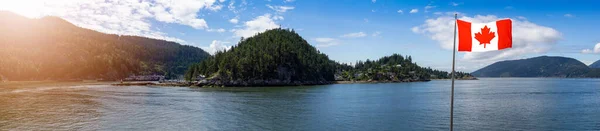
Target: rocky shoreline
386, 81
464, 78
264, 83
236, 83
253, 83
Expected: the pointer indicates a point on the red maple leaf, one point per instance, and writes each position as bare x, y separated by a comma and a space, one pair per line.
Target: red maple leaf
485, 36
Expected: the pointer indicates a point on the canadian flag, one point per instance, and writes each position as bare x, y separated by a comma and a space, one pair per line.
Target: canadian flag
481, 37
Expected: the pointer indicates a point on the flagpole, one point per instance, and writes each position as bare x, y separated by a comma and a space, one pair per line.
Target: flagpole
453, 74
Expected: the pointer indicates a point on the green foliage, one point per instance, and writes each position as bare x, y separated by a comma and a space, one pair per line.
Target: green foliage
53, 49
279, 54
392, 68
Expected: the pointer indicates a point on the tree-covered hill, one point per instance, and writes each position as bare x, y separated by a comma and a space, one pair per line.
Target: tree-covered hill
393, 68
595, 64
282, 57
543, 66
51, 48
274, 57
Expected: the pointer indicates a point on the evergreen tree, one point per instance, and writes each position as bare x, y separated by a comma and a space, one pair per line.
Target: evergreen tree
274, 54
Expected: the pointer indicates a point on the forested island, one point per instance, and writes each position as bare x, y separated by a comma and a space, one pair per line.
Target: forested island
280, 57
394, 68
272, 58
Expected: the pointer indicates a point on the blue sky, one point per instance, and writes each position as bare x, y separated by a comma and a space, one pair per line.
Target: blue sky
346, 30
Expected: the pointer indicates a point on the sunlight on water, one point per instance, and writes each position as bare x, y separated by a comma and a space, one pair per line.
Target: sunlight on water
487, 104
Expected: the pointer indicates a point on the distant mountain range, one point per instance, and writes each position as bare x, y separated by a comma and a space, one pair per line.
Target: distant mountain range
51, 48
595, 64
543, 66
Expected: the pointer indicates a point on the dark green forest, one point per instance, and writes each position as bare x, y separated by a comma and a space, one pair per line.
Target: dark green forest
282, 54
279, 54
51, 48
392, 68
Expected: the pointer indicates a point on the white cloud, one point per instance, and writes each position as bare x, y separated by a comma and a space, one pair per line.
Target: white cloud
234, 21
289, 1
126, 17
231, 7
414, 11
569, 15
354, 35
400, 11
528, 37
215, 7
590, 51
277, 17
326, 45
376, 33
428, 7
281, 9
216, 46
373, 1
182, 11
220, 30
455, 4
256, 25
326, 42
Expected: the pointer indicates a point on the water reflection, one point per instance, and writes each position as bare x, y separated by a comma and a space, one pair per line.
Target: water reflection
487, 104
49, 108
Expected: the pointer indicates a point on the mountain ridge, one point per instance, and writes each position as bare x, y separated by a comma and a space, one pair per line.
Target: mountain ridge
541, 66
595, 64
51, 48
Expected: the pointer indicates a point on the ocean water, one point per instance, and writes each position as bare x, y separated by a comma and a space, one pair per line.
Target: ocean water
487, 104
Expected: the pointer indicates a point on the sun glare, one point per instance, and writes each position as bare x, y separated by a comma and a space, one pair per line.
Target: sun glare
27, 8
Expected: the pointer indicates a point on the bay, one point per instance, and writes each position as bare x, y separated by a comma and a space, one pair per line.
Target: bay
485, 104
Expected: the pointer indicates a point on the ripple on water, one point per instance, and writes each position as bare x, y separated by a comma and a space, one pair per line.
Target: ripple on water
486, 104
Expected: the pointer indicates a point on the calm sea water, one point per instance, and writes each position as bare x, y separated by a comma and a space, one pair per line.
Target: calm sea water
486, 104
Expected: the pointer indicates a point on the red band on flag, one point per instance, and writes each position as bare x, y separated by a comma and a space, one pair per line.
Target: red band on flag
464, 35
504, 33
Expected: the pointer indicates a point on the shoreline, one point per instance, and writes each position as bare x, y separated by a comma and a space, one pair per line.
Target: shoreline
256, 83
252, 84
35, 84
459, 79
374, 82
21, 84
